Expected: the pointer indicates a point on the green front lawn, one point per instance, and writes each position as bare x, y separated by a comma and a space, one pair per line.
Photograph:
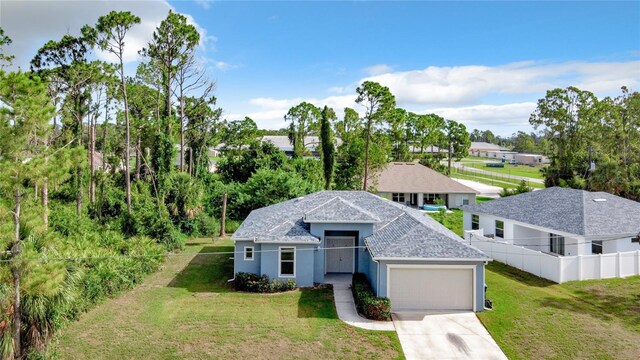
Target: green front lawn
537, 319
188, 310
509, 169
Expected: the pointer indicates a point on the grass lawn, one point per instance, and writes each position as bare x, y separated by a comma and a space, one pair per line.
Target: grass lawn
537, 319
188, 310
508, 169
489, 179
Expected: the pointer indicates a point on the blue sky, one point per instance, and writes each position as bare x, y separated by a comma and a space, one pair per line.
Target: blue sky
482, 63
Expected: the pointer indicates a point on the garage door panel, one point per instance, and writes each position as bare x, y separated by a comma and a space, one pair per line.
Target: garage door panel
417, 288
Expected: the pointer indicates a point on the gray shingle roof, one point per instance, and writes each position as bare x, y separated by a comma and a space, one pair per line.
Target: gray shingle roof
568, 210
398, 231
338, 210
411, 177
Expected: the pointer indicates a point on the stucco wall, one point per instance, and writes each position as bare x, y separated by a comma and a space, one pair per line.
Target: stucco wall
619, 245
239, 264
304, 262
479, 284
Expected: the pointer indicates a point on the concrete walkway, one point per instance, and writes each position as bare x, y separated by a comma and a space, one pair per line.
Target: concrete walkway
445, 335
346, 307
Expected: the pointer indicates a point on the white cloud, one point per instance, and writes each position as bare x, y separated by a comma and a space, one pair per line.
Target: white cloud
461, 85
224, 66
507, 118
32, 23
205, 4
377, 69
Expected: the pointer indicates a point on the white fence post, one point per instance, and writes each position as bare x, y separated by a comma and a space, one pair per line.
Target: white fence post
619, 265
600, 265
637, 262
559, 269
579, 267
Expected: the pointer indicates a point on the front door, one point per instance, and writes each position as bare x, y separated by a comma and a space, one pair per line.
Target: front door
339, 254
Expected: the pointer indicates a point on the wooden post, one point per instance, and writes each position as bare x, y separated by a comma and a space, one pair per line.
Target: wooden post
224, 215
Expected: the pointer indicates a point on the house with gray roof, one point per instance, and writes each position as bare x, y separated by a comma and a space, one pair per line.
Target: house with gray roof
559, 221
311, 143
408, 257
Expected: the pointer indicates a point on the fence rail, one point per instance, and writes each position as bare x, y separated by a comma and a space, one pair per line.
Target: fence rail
558, 268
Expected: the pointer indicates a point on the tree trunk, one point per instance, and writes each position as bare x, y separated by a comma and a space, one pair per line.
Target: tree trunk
450, 149
181, 129
127, 171
366, 156
138, 156
191, 170
224, 215
35, 191
15, 270
92, 165
79, 191
45, 201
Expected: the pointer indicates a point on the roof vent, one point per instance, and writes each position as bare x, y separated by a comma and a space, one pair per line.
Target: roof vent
600, 200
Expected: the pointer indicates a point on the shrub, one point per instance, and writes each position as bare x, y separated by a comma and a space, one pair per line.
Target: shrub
261, 283
367, 303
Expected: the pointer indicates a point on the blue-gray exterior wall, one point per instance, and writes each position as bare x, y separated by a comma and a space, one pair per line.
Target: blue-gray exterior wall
382, 281
304, 262
373, 274
241, 265
361, 255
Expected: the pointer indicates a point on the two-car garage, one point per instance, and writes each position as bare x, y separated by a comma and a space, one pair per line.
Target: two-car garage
431, 287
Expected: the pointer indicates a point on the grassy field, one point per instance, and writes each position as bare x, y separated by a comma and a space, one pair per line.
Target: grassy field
508, 169
188, 310
537, 319
494, 180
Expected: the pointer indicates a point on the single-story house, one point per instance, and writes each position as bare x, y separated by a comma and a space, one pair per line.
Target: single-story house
414, 184
283, 143
531, 159
559, 221
407, 256
480, 148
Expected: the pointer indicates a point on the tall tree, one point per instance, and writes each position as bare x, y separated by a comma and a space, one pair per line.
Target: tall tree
109, 34
202, 131
566, 116
4, 58
457, 140
327, 144
237, 134
397, 131
25, 111
349, 126
378, 101
304, 120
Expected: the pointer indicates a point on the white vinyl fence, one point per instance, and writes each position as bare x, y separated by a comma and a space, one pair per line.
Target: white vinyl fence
558, 268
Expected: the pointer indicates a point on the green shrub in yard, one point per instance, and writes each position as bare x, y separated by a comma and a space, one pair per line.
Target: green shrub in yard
261, 283
367, 303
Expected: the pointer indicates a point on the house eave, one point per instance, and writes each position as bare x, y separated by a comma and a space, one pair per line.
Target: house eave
431, 259
341, 221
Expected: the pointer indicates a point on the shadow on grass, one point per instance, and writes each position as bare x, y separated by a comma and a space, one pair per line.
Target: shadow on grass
518, 275
205, 272
316, 303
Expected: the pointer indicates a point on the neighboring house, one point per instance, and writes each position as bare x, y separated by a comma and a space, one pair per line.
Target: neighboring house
531, 159
283, 143
407, 256
482, 148
414, 184
559, 221
212, 154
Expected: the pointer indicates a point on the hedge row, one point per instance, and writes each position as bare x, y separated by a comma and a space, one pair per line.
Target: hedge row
261, 284
367, 303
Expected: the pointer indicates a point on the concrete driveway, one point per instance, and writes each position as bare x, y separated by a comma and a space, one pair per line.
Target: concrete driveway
444, 335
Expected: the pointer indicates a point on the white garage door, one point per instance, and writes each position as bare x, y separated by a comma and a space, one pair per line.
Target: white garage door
430, 288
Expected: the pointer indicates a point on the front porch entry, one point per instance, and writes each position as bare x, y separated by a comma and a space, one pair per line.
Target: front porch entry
339, 254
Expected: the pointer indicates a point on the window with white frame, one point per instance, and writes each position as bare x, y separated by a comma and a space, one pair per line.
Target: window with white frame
248, 253
287, 262
556, 244
475, 222
398, 197
465, 199
500, 228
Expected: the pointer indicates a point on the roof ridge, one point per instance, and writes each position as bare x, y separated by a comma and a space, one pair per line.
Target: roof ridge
319, 206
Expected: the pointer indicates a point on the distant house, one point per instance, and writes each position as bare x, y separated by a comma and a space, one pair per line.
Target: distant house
283, 143
531, 159
408, 257
414, 184
560, 221
212, 153
483, 148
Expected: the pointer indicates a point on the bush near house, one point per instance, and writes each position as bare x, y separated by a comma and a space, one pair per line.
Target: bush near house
367, 303
261, 283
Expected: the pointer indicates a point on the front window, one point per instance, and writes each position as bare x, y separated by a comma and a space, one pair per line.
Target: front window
500, 228
287, 260
430, 198
398, 197
465, 199
248, 253
475, 222
596, 247
556, 244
